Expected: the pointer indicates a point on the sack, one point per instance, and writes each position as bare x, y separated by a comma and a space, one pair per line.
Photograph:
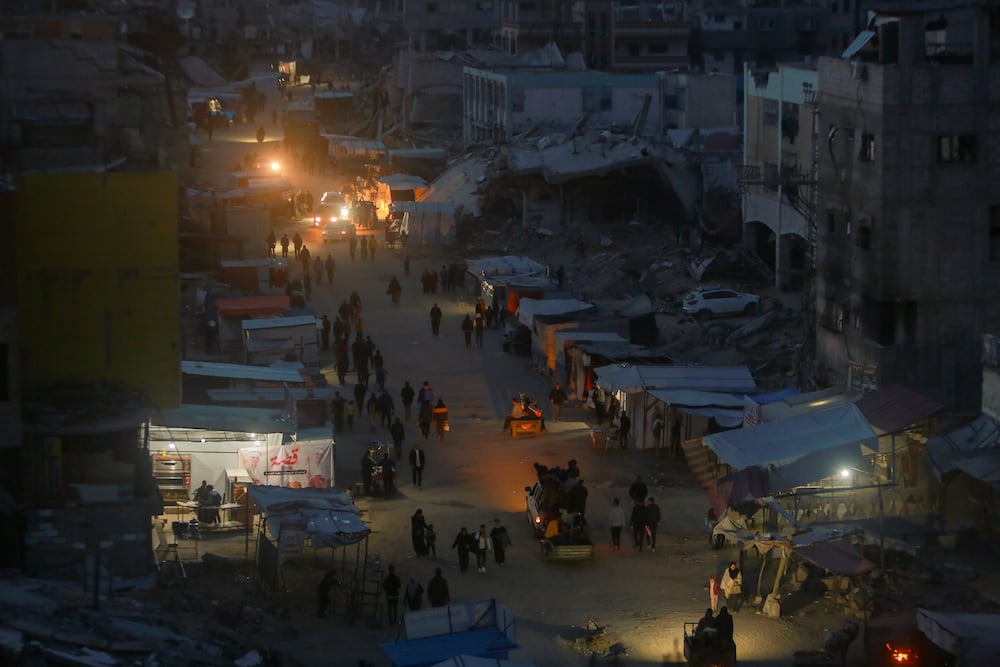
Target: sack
447, 426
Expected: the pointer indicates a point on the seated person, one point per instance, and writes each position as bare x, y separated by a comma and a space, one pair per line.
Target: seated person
572, 469
212, 501
552, 528
517, 411
706, 622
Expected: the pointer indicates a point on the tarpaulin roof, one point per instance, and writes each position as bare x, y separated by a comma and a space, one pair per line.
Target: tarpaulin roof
225, 418
985, 466
508, 265
279, 322
979, 435
253, 305
331, 517
837, 556
893, 408
527, 309
798, 450
481, 628
725, 408
972, 638
242, 371
629, 378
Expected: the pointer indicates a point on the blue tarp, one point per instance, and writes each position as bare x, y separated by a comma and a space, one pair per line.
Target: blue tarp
483, 629
798, 450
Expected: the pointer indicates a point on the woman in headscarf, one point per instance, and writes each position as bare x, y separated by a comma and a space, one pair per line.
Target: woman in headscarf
418, 526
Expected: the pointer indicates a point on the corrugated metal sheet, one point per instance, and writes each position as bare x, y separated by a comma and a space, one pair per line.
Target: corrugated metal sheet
893, 408
241, 372
278, 322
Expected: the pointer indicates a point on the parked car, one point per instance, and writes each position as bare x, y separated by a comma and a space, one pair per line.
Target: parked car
709, 302
332, 208
340, 230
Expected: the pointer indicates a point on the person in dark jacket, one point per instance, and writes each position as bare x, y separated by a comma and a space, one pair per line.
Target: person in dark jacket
398, 433
418, 525
435, 319
390, 586
437, 590
464, 544
724, 627
638, 490
638, 523
326, 585
467, 327
652, 521
578, 498
417, 461
413, 598
406, 394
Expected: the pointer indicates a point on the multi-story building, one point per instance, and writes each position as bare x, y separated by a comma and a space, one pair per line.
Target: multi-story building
451, 24
908, 266
635, 35
500, 103
779, 170
696, 100
526, 25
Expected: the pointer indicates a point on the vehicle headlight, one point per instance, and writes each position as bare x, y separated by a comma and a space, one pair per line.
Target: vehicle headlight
275, 166
344, 212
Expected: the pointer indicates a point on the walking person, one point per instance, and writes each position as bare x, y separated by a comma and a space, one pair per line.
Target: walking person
616, 519
463, 544
413, 598
424, 419
732, 586
284, 245
388, 475
556, 399
483, 547
441, 424
390, 586
437, 590
325, 332
479, 326
714, 588
398, 433
364, 249
638, 490
435, 319
418, 527
624, 424
425, 395
406, 395
417, 461
430, 538
297, 243
467, 327
501, 540
638, 523
272, 242
368, 470
652, 521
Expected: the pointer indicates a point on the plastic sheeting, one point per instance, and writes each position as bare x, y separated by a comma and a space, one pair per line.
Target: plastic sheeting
330, 516
972, 638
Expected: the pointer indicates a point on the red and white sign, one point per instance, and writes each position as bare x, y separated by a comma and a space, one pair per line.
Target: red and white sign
294, 465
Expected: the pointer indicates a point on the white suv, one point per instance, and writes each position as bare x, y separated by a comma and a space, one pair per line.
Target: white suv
332, 208
708, 302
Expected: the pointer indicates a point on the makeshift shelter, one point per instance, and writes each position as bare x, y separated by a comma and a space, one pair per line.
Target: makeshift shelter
527, 309
482, 629
966, 463
543, 343
230, 312
330, 517
901, 417
426, 222
798, 450
396, 188
649, 414
972, 638
572, 364
254, 276
279, 338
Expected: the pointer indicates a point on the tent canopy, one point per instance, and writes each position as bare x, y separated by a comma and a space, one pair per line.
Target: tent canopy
837, 556
798, 450
974, 439
972, 638
633, 379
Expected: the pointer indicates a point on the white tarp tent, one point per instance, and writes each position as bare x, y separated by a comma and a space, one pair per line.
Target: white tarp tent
972, 638
633, 379
798, 450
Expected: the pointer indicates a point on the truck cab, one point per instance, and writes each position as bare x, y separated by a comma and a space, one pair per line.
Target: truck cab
533, 500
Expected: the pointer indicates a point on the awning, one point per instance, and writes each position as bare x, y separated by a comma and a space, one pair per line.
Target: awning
629, 378
330, 516
242, 371
238, 475
893, 408
971, 440
253, 305
972, 638
798, 450
837, 556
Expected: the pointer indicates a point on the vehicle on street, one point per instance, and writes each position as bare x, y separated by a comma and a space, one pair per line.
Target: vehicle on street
340, 230
332, 208
707, 302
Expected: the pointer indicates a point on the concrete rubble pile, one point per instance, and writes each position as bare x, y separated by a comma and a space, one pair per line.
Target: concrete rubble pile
212, 623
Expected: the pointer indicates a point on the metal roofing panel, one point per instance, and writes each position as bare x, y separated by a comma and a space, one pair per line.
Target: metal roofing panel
627, 377
225, 418
241, 372
279, 322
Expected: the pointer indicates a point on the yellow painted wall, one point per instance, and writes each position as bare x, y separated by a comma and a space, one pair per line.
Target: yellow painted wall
98, 281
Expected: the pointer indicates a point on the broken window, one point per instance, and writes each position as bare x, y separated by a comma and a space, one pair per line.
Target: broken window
994, 233
517, 100
863, 238
831, 222
789, 121
956, 148
866, 152
770, 113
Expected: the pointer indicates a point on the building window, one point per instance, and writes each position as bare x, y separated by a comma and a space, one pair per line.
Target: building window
770, 113
866, 152
634, 49
831, 222
659, 47
597, 99
863, 239
767, 23
956, 148
995, 233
